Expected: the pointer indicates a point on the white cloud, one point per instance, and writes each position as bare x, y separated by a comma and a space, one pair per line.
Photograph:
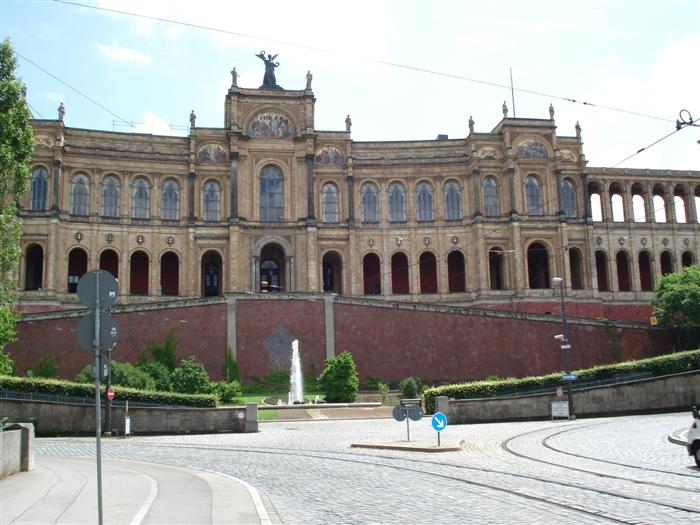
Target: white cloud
154, 124
52, 96
487, 40
123, 54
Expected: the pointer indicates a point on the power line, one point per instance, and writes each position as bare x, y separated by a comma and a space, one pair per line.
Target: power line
70, 87
365, 59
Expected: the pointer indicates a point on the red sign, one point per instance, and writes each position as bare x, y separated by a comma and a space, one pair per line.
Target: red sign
110, 393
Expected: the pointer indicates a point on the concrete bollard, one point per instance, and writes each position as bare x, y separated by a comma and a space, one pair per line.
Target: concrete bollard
442, 404
251, 417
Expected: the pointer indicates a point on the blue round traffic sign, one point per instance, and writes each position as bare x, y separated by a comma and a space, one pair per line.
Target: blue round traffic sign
439, 421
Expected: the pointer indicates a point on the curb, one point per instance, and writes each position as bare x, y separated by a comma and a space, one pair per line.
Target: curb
408, 447
679, 437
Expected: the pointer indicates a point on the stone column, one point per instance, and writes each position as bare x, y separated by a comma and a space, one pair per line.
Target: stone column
560, 197
649, 214
56, 175
605, 203
351, 200
330, 326
671, 218
290, 285
511, 186
231, 325
311, 211
586, 197
255, 273
627, 201
234, 185
190, 195
476, 179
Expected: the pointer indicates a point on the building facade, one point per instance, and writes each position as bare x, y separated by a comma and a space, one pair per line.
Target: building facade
270, 204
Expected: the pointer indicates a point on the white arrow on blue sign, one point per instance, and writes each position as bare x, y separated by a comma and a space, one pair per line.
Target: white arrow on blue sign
569, 377
439, 421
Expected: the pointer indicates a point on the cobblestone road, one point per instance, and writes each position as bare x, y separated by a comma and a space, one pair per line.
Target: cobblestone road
616, 470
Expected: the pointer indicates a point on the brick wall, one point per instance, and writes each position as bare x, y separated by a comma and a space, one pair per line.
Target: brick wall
391, 341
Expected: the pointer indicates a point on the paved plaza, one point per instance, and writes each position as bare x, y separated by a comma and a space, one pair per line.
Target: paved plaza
607, 470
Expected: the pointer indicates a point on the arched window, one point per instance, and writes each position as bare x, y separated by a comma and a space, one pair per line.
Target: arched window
491, 207
617, 203
595, 201
645, 278
332, 267
331, 212
533, 196
496, 268
40, 185
34, 267
371, 274
568, 198
111, 190
397, 202
109, 261
138, 273
455, 272
140, 199
424, 201
271, 194
624, 283
77, 267
679, 203
453, 201
80, 194
170, 200
640, 214
399, 273
369, 197
659, 202
212, 201
538, 266
687, 259
666, 263
169, 274
427, 264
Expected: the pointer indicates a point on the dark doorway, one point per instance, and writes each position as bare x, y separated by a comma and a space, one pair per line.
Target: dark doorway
687, 259
211, 274
538, 266
601, 268
272, 269
666, 263
645, 272
576, 269
109, 262
138, 273
455, 272
371, 274
624, 283
169, 274
496, 261
428, 273
77, 267
34, 267
332, 273
399, 273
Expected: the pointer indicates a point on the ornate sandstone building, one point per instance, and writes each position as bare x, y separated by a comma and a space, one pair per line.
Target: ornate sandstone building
268, 203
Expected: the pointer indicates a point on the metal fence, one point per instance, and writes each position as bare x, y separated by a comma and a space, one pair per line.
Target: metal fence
77, 400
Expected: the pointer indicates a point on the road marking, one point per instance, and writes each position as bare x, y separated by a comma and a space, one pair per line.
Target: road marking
254, 495
315, 413
141, 514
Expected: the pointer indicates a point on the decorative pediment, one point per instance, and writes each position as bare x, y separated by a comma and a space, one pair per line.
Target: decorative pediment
271, 125
488, 154
43, 141
567, 155
212, 153
532, 149
329, 155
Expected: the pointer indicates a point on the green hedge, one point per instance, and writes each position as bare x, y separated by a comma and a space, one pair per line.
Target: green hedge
657, 366
68, 388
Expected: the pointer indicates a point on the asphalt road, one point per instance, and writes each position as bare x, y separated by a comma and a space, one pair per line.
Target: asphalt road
612, 470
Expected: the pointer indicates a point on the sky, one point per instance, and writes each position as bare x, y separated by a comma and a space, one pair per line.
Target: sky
403, 70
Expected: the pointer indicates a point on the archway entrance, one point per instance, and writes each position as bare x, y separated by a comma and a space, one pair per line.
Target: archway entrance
109, 261
332, 273
34, 267
211, 274
169, 274
272, 269
77, 266
538, 265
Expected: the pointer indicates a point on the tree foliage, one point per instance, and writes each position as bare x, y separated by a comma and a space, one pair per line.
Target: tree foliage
677, 304
16, 146
191, 377
339, 380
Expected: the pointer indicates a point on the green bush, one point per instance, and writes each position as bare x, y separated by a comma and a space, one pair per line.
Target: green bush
409, 388
165, 353
383, 391
227, 392
160, 374
87, 390
230, 368
7, 364
274, 382
191, 377
122, 374
656, 366
46, 367
339, 380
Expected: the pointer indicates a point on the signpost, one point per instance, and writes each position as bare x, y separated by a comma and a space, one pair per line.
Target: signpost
408, 409
110, 393
569, 377
560, 409
97, 331
439, 423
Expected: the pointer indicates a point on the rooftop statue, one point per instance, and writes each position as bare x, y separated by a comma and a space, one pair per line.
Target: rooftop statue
269, 80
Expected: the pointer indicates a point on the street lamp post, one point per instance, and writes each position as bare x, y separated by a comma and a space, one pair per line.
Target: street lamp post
565, 346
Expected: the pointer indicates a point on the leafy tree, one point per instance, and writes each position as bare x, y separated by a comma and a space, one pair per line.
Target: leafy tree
191, 377
165, 353
160, 374
677, 304
7, 364
339, 379
16, 146
123, 374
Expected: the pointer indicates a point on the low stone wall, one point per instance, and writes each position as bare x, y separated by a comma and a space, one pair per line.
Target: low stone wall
16, 449
658, 394
53, 419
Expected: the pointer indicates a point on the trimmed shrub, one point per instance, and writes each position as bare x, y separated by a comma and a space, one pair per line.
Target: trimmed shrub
160, 374
191, 377
409, 388
165, 353
339, 380
230, 367
656, 366
122, 374
87, 390
227, 392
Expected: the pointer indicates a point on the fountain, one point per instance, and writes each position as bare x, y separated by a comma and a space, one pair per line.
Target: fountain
296, 385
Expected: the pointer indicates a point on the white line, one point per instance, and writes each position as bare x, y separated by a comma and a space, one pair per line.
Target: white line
254, 495
141, 514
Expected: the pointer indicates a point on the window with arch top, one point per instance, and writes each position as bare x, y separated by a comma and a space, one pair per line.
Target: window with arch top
568, 198
491, 207
453, 201
424, 202
111, 191
40, 185
80, 194
397, 202
212, 201
533, 196
331, 211
141, 199
271, 194
369, 199
170, 200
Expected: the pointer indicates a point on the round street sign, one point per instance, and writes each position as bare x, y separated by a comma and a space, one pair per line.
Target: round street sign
399, 413
87, 289
110, 393
415, 412
439, 421
86, 332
